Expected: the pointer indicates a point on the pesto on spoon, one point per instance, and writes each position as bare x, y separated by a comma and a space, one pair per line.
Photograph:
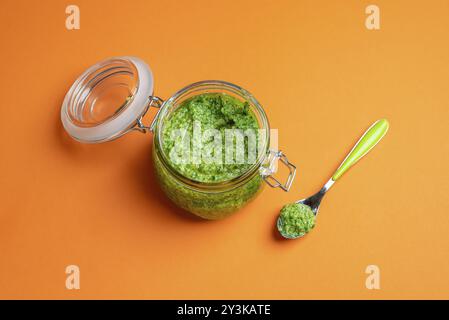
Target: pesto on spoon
295, 220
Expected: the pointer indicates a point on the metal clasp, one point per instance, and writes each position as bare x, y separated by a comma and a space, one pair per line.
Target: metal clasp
155, 102
270, 167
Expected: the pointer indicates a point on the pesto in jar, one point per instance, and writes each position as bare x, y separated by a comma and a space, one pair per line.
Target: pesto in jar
210, 111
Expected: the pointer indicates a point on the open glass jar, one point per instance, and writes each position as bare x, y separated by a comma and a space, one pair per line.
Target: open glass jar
110, 99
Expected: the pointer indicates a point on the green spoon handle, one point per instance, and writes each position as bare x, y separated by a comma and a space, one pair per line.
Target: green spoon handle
369, 139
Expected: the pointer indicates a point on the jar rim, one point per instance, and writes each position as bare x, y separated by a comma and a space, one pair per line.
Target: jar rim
225, 86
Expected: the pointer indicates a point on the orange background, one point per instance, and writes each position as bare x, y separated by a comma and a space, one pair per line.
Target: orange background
322, 77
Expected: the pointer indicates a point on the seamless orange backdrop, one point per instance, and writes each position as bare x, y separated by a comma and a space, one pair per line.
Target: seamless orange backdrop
322, 77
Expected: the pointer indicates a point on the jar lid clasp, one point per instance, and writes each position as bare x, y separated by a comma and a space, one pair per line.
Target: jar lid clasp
155, 102
268, 170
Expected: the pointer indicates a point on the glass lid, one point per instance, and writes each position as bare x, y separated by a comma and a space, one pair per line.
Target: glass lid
107, 100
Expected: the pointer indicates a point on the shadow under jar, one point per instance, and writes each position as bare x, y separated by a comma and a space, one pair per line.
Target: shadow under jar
110, 99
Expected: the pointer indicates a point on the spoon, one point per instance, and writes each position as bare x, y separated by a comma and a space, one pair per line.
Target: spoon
369, 139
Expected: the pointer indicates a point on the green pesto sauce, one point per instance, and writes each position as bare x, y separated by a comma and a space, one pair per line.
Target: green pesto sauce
212, 111
296, 220
217, 111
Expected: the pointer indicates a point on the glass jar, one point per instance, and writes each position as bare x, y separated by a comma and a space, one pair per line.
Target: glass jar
110, 99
